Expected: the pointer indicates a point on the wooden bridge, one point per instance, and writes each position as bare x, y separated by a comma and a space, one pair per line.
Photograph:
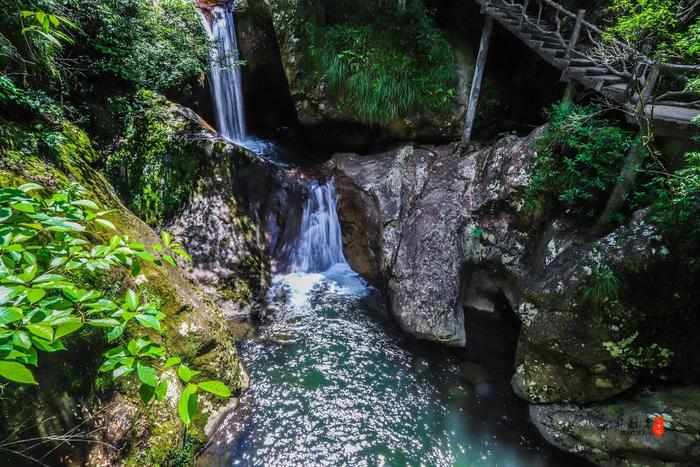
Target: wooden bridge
621, 75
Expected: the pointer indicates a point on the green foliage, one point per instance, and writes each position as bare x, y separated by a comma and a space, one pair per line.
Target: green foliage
154, 170
47, 249
677, 205
33, 41
668, 26
152, 45
602, 287
14, 100
145, 44
579, 159
383, 65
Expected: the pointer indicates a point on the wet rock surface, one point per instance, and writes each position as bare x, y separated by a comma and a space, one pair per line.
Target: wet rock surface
620, 432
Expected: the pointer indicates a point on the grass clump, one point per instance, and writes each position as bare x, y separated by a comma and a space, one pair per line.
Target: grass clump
382, 65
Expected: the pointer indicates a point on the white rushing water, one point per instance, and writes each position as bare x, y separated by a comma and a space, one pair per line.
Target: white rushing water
225, 75
320, 243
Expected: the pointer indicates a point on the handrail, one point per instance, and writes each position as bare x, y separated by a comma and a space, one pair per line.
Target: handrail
601, 49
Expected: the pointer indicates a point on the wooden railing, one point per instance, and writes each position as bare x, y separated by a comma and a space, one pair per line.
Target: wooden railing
584, 40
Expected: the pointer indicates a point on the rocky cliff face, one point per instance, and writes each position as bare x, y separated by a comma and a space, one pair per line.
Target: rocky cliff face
448, 231
284, 26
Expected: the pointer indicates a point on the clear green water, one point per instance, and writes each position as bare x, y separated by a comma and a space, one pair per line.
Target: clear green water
336, 382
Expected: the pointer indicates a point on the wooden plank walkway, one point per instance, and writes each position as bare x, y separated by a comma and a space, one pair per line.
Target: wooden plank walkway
572, 55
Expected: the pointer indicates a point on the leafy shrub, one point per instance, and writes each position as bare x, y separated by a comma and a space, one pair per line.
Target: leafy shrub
152, 45
668, 26
383, 65
47, 248
33, 41
579, 159
677, 205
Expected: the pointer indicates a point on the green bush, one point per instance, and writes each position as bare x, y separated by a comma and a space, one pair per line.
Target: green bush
152, 45
667, 26
47, 249
380, 64
579, 159
677, 205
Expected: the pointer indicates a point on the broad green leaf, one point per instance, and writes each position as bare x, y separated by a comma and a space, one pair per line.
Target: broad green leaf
122, 371
105, 223
131, 300
24, 207
145, 256
15, 371
27, 187
166, 237
185, 374
169, 259
147, 374
47, 346
10, 315
161, 390
215, 387
85, 203
115, 333
68, 328
146, 392
103, 322
35, 295
172, 361
5, 213
182, 253
187, 405
149, 321
7, 294
21, 339
41, 330
90, 295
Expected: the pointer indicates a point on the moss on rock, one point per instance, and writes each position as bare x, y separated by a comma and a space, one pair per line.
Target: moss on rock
56, 156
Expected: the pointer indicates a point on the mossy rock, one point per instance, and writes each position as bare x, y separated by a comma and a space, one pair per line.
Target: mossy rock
56, 156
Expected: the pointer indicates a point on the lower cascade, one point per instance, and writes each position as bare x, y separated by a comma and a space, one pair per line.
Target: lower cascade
320, 243
335, 381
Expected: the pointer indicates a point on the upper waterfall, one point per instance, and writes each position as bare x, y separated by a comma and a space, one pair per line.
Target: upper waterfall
226, 73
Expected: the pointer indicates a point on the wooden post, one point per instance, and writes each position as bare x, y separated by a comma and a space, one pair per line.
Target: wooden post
524, 12
575, 33
628, 176
569, 92
635, 156
476, 81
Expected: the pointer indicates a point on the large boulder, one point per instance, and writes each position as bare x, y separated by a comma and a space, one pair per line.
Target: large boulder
619, 432
599, 311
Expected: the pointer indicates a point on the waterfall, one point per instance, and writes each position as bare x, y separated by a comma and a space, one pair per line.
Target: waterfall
319, 244
225, 76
